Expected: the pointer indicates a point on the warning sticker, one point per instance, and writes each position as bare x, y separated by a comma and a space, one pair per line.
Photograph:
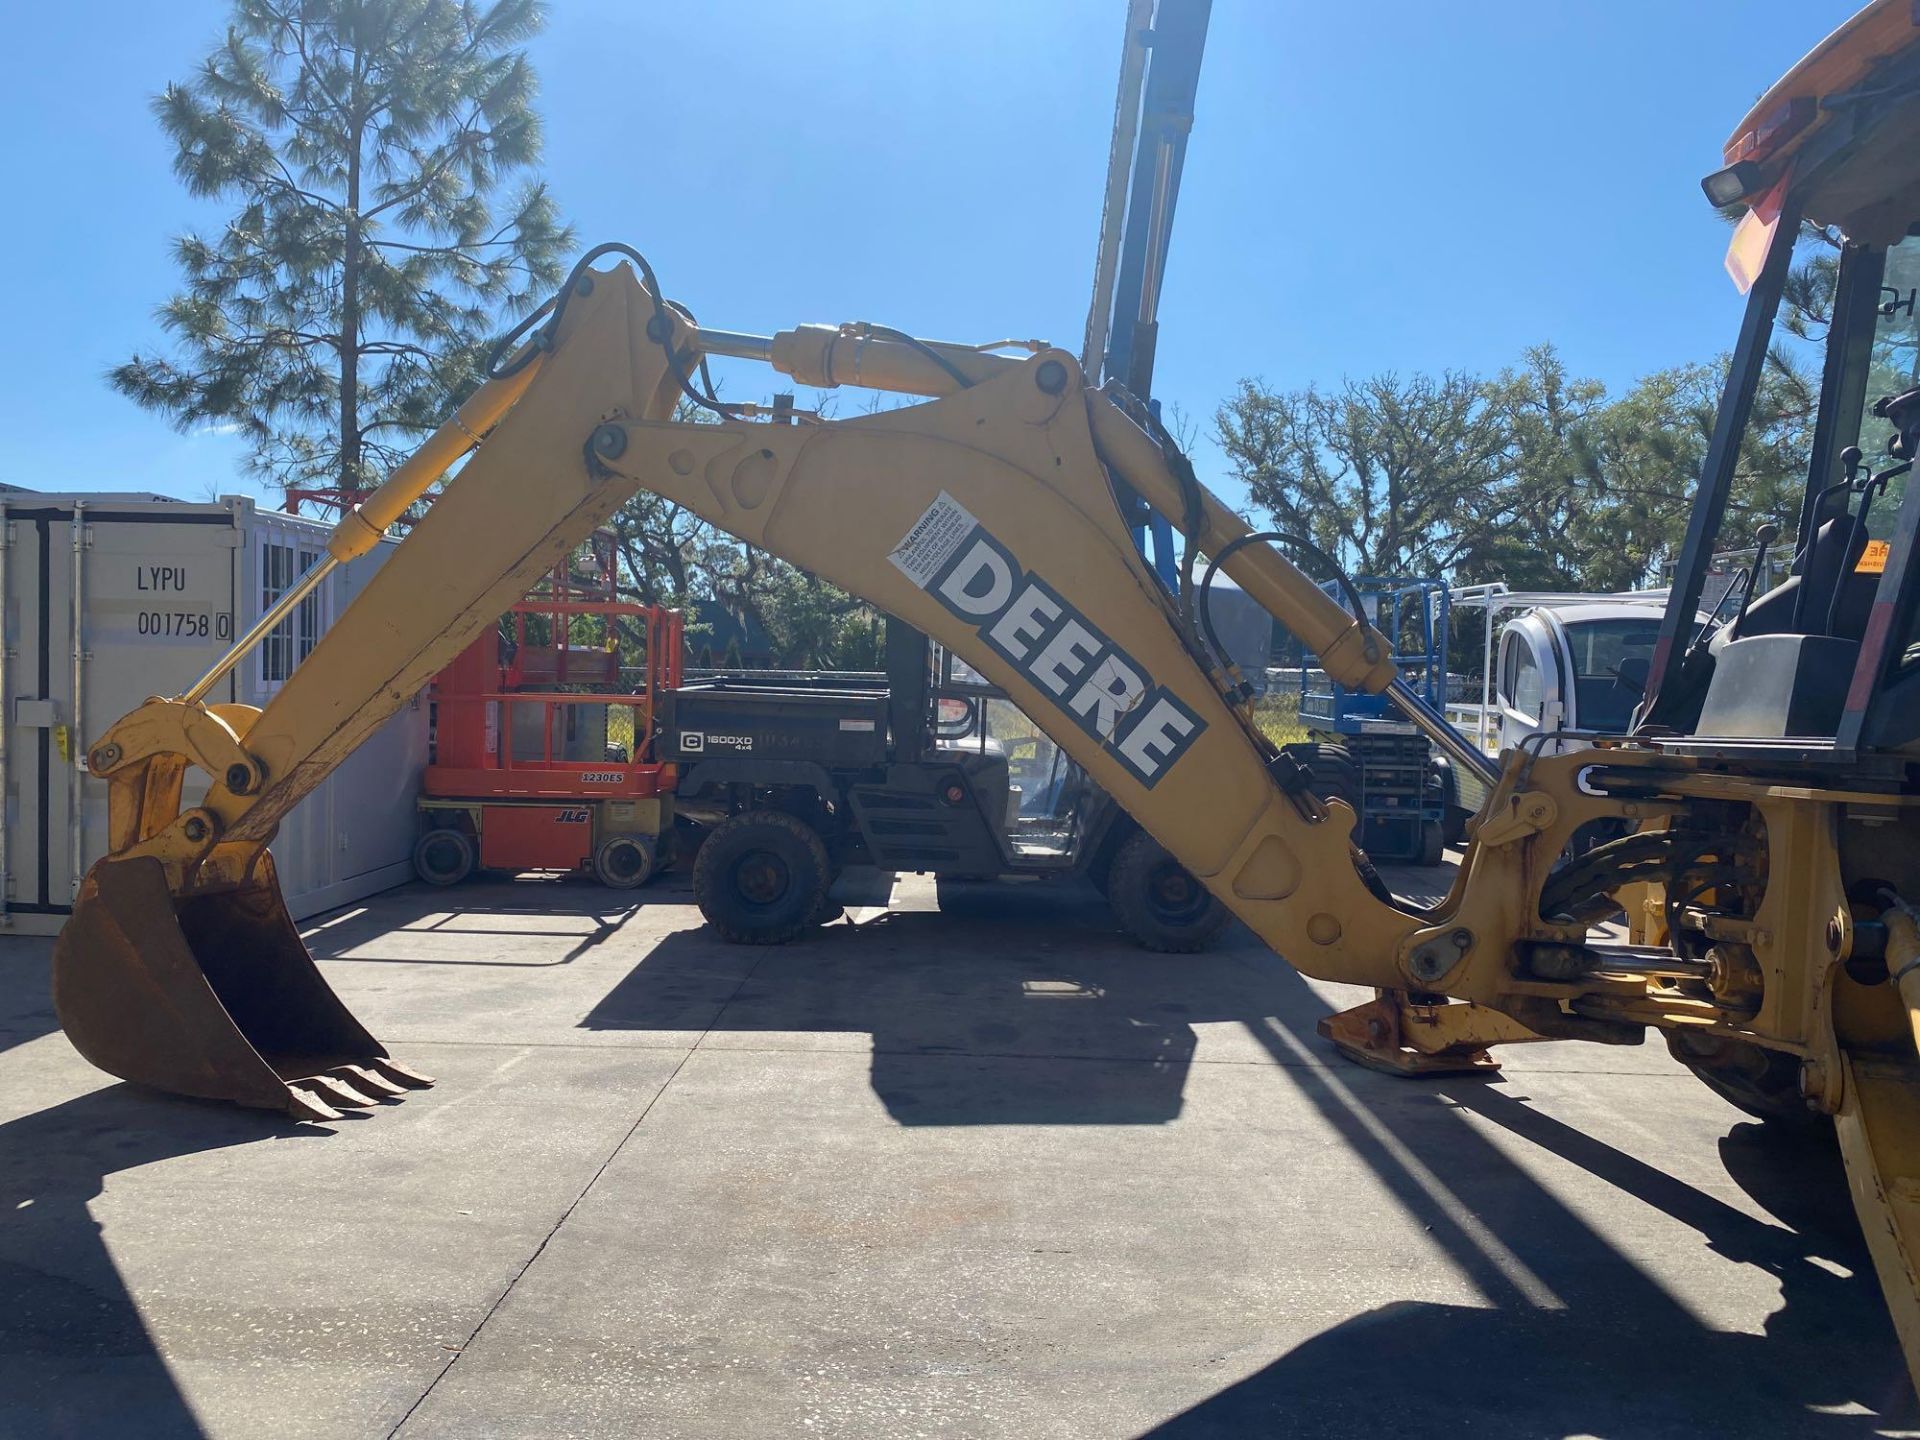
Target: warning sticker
1873, 559
932, 540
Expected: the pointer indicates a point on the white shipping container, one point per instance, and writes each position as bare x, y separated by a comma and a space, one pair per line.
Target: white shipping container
106, 599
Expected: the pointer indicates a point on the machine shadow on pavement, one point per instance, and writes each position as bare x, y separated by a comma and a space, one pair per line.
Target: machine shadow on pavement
1578, 1338
1034, 1011
506, 912
1036, 978
76, 1359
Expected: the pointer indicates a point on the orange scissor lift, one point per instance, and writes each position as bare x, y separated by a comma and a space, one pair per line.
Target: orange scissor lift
543, 755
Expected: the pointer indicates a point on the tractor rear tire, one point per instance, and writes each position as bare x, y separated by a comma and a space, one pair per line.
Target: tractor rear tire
625, 862
761, 877
1764, 1083
1158, 902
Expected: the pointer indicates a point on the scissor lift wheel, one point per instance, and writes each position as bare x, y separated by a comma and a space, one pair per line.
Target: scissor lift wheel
625, 862
443, 856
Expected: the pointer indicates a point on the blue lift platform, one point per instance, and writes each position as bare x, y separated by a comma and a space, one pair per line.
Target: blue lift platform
1404, 784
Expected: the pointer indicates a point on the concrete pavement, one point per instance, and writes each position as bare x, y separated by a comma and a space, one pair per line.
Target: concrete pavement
971, 1166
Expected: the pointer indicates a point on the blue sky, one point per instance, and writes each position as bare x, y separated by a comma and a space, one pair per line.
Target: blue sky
1402, 185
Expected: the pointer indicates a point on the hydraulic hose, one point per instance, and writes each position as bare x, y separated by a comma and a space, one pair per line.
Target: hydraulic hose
1903, 956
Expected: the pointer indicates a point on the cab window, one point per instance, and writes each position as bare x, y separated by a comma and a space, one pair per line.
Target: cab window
1610, 662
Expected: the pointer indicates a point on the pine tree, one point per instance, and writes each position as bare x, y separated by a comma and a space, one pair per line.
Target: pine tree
370, 146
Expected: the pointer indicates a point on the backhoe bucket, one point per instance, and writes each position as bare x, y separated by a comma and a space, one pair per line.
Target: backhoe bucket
215, 996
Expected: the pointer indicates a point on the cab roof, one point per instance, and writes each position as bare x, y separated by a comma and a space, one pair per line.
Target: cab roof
1847, 111
1839, 62
1589, 612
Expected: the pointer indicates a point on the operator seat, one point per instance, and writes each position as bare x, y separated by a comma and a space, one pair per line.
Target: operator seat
1702, 698
1835, 551
1773, 678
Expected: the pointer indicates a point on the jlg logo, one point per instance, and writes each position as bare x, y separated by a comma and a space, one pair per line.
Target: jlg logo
573, 817
1033, 627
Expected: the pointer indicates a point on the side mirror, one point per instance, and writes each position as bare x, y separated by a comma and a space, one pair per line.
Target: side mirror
1903, 412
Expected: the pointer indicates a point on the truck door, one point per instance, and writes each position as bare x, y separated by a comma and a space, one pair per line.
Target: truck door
1555, 654
1520, 695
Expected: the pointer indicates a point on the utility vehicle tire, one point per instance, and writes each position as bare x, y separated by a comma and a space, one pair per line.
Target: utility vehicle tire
1101, 865
1336, 774
829, 909
1764, 1083
625, 862
443, 857
1433, 844
1158, 902
760, 878
1444, 787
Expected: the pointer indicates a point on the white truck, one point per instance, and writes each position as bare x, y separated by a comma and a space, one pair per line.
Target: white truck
1572, 668
1562, 664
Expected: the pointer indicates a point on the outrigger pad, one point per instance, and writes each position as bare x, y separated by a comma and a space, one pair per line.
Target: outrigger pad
1370, 1035
217, 997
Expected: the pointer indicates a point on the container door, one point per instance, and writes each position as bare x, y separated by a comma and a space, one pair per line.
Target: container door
156, 605
40, 736
31, 710
377, 788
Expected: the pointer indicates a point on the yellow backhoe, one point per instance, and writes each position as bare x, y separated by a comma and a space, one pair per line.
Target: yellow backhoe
1767, 796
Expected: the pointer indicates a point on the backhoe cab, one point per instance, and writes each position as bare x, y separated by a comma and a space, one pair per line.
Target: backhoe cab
1774, 851
1827, 653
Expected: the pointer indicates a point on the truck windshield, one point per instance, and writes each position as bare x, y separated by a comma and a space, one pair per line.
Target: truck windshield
1610, 661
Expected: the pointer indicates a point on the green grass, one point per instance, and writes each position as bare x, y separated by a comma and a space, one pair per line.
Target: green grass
1278, 716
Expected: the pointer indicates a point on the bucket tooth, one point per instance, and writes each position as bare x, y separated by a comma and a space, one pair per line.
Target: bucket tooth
368, 1081
305, 1105
337, 1091
400, 1074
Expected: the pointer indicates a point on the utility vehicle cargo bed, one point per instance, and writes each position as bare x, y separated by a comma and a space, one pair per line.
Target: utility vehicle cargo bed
832, 727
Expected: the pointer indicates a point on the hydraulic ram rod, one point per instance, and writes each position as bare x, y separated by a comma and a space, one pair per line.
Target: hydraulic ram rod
1437, 728
360, 528
260, 629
